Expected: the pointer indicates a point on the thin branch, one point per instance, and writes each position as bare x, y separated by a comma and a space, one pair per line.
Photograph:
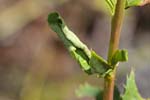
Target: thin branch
113, 46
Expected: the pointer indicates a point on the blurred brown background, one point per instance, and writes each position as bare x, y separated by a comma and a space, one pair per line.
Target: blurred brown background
34, 65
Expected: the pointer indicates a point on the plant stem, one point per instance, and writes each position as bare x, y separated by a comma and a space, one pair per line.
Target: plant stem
116, 26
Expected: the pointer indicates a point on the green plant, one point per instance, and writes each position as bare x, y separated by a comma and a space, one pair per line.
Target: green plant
92, 63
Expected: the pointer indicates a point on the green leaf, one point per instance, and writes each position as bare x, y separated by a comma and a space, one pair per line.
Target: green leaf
87, 90
131, 3
99, 65
111, 5
119, 56
131, 90
76, 48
